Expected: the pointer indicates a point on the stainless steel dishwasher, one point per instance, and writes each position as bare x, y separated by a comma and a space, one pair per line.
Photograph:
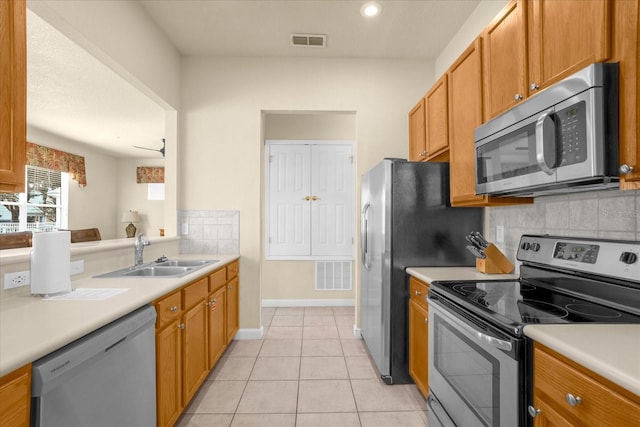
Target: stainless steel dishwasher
104, 379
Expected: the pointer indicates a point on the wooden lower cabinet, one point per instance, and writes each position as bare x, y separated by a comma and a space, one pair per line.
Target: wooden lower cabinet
15, 398
419, 334
233, 289
195, 365
568, 394
191, 335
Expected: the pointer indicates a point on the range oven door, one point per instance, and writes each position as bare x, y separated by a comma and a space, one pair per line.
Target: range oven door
474, 370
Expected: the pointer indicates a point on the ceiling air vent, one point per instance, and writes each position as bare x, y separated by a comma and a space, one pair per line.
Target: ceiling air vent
309, 40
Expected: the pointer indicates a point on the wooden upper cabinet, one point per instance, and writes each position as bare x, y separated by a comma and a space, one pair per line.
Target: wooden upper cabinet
505, 59
625, 51
417, 137
13, 93
566, 36
437, 121
465, 114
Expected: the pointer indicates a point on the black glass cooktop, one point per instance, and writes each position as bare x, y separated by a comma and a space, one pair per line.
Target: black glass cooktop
513, 304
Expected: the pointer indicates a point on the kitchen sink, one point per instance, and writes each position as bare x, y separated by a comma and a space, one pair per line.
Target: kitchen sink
186, 262
161, 268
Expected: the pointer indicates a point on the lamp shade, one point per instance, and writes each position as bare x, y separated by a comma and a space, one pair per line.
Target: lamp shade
130, 216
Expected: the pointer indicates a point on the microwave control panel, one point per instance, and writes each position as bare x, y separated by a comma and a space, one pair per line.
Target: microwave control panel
619, 259
573, 134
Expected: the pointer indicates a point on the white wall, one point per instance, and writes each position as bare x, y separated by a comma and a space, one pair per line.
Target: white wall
96, 204
133, 196
222, 151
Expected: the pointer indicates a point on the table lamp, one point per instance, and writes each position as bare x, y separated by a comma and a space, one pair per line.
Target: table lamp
130, 217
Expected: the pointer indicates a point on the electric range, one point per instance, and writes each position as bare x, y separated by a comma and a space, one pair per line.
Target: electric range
480, 361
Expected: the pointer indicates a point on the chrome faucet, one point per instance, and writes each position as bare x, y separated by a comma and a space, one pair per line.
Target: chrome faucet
139, 247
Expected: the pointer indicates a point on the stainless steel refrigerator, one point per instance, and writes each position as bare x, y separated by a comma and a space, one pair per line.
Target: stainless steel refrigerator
407, 221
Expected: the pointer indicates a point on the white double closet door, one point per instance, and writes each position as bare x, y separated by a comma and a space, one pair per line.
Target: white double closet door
310, 199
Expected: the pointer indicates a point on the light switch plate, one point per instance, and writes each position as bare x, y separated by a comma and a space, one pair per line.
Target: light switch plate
500, 234
185, 229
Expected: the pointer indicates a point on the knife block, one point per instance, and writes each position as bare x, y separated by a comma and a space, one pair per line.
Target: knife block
495, 262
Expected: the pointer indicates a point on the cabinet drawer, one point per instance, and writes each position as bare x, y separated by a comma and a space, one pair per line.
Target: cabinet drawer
168, 309
15, 397
232, 270
195, 292
217, 279
418, 291
600, 404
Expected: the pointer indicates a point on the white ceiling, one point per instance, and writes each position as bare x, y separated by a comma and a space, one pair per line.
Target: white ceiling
72, 94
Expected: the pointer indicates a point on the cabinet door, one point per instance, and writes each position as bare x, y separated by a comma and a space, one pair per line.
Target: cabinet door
232, 308
505, 59
195, 363
418, 346
169, 374
417, 136
15, 398
566, 36
436, 125
217, 317
626, 37
13, 92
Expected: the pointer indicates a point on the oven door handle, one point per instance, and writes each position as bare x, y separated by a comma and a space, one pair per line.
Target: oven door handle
481, 336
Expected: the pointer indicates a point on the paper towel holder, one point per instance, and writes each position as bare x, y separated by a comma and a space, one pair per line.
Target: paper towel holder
130, 216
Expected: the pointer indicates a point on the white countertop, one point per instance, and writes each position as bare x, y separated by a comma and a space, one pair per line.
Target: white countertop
431, 274
31, 327
612, 351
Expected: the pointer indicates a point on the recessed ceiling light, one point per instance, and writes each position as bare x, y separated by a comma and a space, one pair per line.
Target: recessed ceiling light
370, 9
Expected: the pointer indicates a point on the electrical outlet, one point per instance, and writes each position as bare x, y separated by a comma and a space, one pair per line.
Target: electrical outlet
77, 267
500, 234
19, 278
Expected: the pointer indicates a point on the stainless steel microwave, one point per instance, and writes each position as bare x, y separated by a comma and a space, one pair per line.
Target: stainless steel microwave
563, 139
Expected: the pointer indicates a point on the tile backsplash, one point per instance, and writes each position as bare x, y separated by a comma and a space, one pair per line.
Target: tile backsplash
209, 232
609, 214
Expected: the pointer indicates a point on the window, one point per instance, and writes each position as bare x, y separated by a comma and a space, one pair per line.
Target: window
44, 207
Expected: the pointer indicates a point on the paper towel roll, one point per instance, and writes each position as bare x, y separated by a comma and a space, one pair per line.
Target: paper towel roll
51, 262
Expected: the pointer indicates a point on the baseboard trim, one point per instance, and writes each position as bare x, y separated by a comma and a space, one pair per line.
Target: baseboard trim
249, 333
308, 303
357, 332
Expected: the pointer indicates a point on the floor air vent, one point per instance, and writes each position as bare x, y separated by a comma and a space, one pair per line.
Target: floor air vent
309, 40
333, 275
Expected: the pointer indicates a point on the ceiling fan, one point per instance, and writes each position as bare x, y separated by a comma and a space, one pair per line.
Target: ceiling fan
161, 151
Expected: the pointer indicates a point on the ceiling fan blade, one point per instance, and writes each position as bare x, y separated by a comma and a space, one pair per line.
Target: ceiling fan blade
161, 151
145, 148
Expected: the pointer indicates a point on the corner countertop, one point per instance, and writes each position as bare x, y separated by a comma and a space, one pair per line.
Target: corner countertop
612, 351
431, 274
31, 327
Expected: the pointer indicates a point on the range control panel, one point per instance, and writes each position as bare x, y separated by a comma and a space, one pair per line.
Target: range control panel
619, 259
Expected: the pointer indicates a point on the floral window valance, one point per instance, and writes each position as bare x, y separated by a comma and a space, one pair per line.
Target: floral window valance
150, 175
49, 158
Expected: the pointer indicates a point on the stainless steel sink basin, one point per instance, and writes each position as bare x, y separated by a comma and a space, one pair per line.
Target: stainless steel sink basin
186, 262
159, 271
165, 268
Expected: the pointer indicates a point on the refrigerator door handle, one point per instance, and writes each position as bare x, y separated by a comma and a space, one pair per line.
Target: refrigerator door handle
364, 231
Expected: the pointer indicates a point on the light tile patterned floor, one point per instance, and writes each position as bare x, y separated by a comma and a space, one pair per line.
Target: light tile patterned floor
308, 371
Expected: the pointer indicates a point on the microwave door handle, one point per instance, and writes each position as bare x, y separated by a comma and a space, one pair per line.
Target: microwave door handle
364, 238
546, 144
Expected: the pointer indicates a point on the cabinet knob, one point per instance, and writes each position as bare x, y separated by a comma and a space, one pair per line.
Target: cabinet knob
208, 303
173, 309
426, 320
573, 400
307, 198
314, 198
517, 97
418, 293
181, 326
534, 86
625, 169
213, 301
533, 412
